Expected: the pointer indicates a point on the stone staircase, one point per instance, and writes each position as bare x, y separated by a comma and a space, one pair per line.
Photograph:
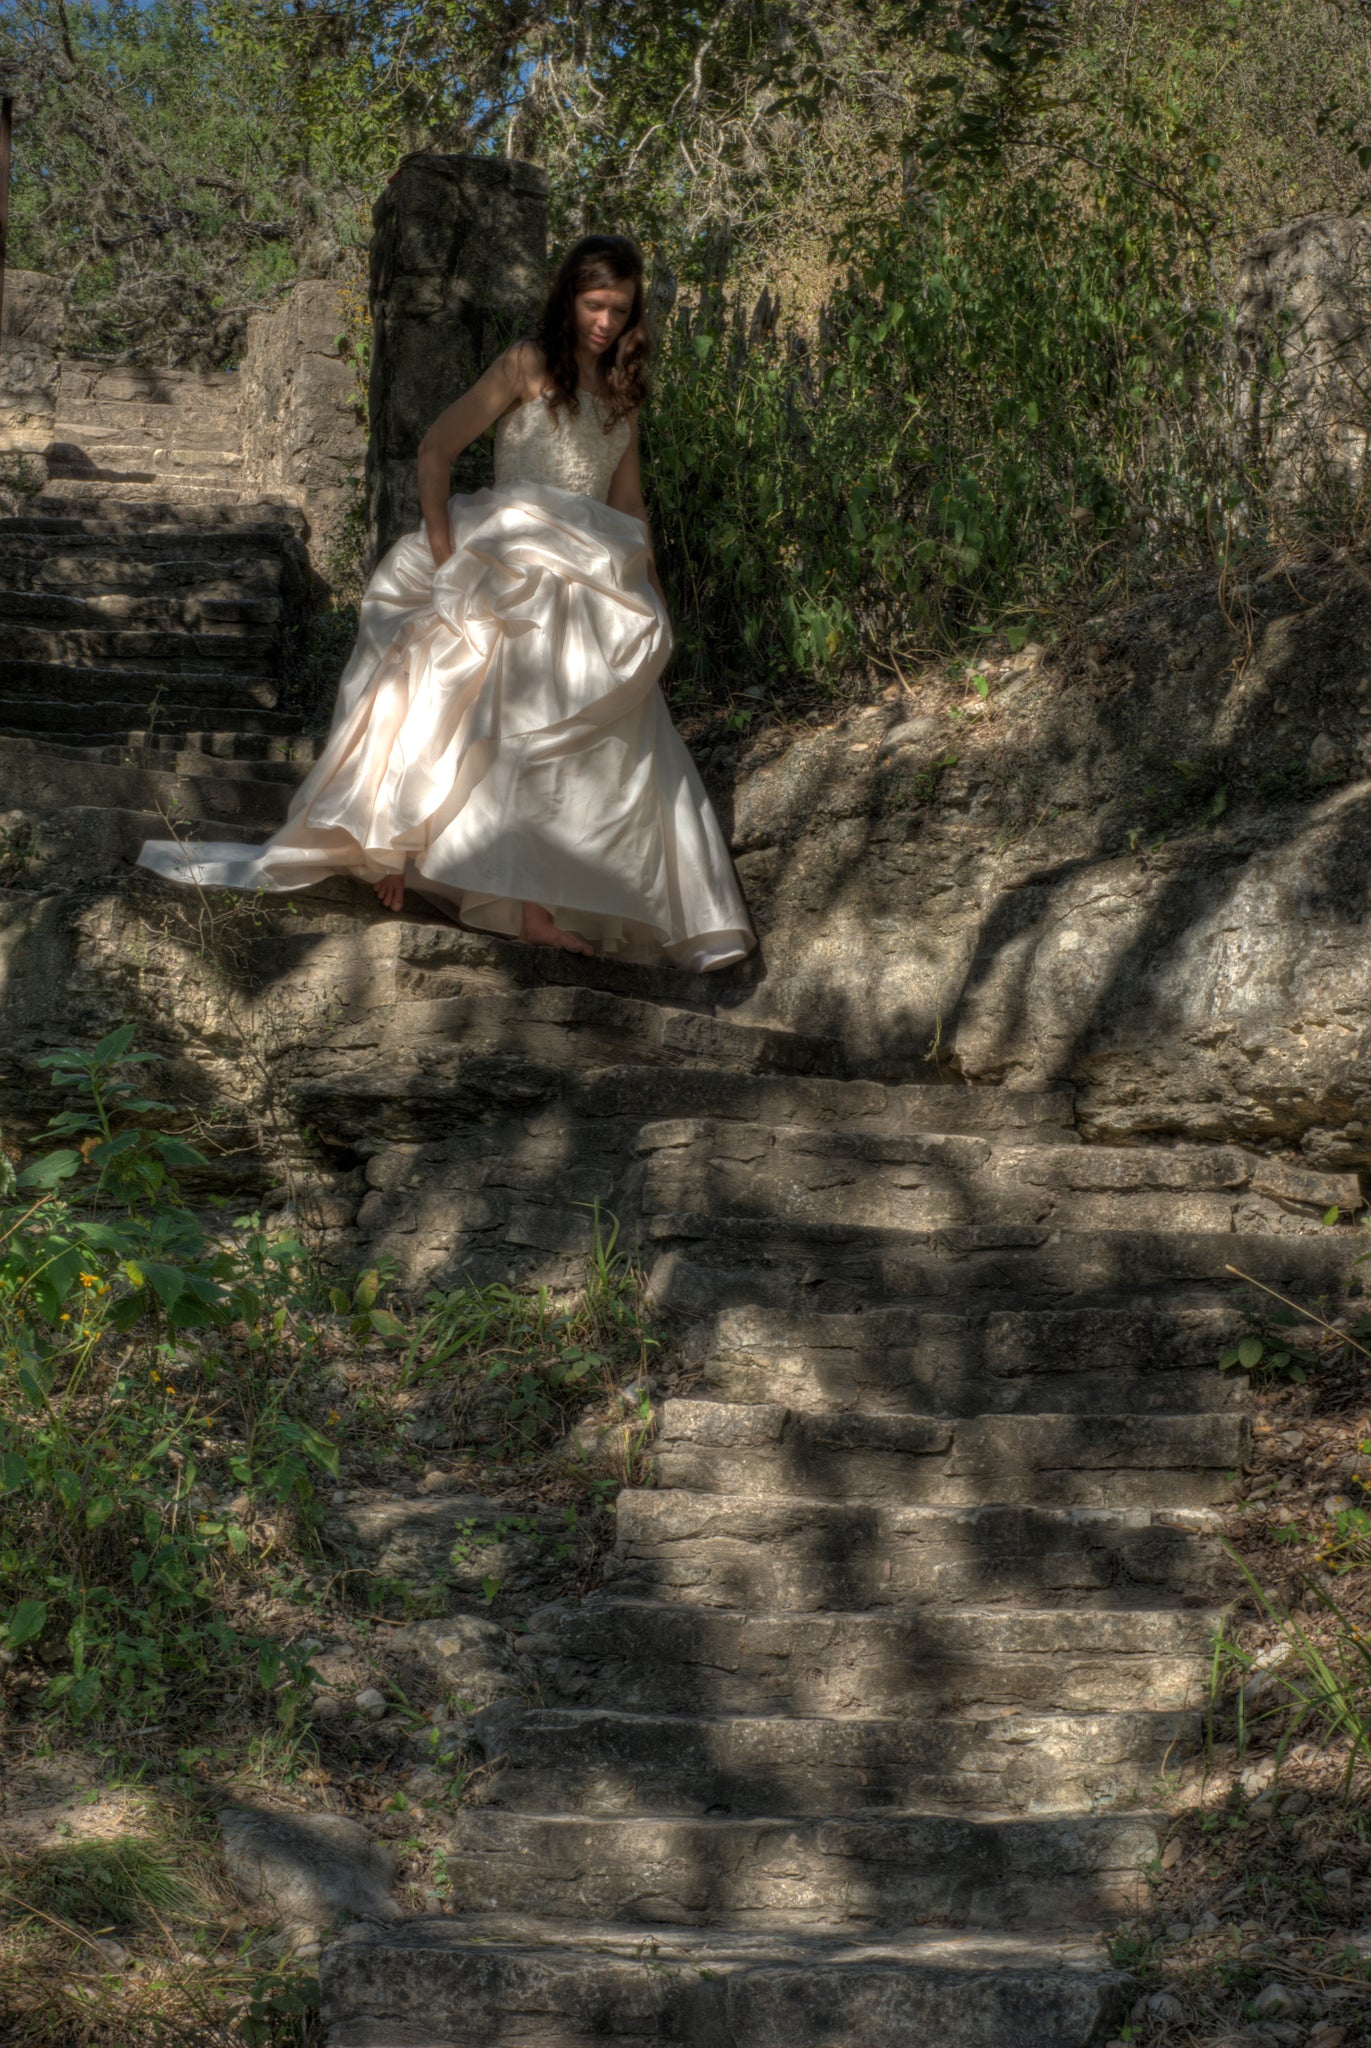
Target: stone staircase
862, 1741
147, 597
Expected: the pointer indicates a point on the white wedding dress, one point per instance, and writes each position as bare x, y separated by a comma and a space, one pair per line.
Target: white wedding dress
499, 735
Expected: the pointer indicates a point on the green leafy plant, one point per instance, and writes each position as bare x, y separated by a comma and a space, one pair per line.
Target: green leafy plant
518, 1363
115, 1579
365, 1319
1322, 1681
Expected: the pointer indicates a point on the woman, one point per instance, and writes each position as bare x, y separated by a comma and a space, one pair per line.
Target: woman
499, 742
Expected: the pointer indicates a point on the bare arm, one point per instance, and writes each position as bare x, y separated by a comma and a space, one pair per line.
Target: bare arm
626, 495
493, 393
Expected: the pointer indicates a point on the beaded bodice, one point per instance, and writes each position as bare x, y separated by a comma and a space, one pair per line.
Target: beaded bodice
535, 445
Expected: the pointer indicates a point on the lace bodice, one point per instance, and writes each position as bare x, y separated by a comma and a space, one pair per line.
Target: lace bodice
534, 445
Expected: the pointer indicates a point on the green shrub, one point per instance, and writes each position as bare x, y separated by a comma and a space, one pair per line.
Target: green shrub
1017, 400
115, 1574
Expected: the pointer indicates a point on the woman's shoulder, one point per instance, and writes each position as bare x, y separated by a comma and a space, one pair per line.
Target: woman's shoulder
523, 369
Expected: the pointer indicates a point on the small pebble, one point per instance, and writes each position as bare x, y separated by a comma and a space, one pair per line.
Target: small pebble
1164, 2005
1337, 1880
1278, 2002
1208, 1923
1178, 1930
370, 1702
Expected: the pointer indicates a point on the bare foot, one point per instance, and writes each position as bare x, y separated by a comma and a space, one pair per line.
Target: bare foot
539, 930
391, 890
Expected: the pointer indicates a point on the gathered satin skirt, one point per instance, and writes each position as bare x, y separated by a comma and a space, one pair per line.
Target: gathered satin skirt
500, 738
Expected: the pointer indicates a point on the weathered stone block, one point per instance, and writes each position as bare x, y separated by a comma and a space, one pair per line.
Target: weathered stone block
309, 1868
300, 409
30, 340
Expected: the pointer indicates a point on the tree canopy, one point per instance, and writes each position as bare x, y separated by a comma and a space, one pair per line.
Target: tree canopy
181, 160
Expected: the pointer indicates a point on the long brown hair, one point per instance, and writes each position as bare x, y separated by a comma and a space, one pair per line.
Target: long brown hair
590, 265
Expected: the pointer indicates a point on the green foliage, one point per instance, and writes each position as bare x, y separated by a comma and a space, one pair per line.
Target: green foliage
365, 1319
1010, 405
518, 1364
111, 1571
123, 1881
1321, 1684
1276, 1356
1269, 1358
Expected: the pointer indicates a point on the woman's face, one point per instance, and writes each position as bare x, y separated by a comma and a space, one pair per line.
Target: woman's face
602, 315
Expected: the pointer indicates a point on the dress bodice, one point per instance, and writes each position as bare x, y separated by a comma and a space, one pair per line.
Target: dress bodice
535, 445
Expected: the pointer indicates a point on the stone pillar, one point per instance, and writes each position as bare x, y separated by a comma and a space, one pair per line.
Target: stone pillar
1304, 293
301, 420
30, 340
458, 267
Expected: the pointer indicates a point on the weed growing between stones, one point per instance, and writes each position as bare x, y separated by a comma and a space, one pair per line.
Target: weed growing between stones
515, 1364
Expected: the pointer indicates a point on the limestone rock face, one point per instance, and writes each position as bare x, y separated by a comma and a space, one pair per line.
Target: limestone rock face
302, 427
457, 266
30, 337
1141, 871
1304, 290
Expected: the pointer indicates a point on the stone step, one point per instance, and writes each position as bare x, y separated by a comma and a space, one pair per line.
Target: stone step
596, 1761
225, 607
144, 465
438, 1983
1063, 1871
801, 1556
749, 1071
158, 503
99, 722
702, 1265
33, 778
240, 757
144, 418
1162, 1349
165, 447
715, 1549
281, 756
94, 422
1120, 1460
649, 1656
73, 525
157, 569
75, 846
504, 1032
201, 391
864, 1113
249, 648
179, 685
918, 1182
